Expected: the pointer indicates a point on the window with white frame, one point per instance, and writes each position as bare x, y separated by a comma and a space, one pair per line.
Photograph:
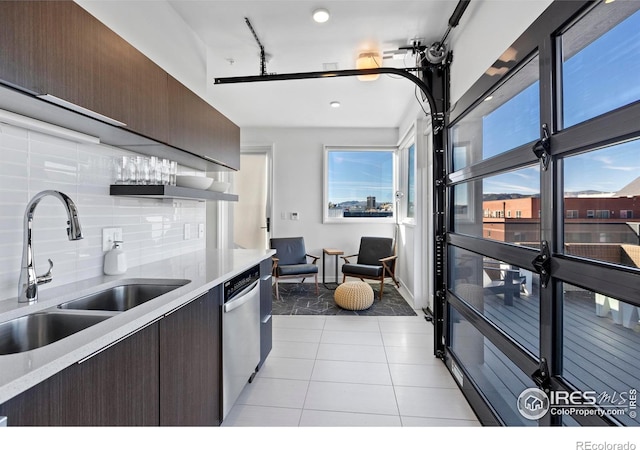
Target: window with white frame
411, 182
359, 184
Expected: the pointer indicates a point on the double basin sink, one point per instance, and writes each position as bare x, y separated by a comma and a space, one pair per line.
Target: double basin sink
42, 328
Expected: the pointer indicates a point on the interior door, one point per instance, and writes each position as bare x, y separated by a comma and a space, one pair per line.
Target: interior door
252, 217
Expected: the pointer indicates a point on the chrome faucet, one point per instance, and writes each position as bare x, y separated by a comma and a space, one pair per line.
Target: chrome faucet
29, 281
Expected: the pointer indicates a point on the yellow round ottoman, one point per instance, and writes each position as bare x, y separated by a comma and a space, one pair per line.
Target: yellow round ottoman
354, 295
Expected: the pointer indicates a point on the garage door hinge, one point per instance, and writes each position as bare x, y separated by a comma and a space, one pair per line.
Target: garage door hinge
541, 376
542, 148
542, 264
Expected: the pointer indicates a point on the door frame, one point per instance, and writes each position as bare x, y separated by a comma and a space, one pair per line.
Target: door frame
265, 149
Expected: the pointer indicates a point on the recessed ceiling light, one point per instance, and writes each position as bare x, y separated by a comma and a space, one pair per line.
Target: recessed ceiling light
335, 104
321, 15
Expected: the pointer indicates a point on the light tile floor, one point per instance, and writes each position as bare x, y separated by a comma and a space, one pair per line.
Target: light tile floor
352, 371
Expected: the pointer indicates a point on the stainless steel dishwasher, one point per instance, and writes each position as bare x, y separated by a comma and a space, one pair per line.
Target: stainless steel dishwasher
240, 334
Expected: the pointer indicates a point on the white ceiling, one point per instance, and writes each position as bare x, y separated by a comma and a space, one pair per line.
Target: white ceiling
296, 44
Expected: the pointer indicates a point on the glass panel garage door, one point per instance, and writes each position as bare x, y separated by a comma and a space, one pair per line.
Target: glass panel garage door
543, 252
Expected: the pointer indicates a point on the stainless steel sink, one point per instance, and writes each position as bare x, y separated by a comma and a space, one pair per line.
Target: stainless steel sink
124, 296
43, 328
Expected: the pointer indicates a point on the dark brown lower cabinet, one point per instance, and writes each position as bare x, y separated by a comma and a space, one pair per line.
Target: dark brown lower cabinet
167, 373
190, 370
116, 387
29, 409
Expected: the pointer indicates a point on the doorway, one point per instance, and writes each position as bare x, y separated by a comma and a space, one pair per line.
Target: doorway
252, 212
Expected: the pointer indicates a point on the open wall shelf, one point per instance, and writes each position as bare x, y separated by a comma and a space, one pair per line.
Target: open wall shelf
160, 191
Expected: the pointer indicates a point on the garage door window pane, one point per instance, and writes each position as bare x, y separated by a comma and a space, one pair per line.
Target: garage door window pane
507, 295
506, 119
499, 379
601, 347
602, 204
601, 62
504, 207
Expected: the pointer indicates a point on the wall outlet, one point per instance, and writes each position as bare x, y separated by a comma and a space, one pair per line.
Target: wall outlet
294, 216
109, 235
200, 230
187, 231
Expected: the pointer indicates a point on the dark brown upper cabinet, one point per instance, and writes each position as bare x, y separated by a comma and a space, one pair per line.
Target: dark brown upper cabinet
195, 125
149, 108
22, 61
58, 49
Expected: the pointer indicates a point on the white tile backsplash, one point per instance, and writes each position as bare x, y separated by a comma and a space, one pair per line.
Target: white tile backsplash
32, 162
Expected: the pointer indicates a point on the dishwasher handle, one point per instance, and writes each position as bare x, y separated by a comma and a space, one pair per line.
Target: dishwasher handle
242, 298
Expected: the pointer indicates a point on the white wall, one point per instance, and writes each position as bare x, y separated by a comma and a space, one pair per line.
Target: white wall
298, 184
33, 162
486, 30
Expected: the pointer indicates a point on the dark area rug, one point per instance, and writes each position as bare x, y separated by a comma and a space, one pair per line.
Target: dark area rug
301, 299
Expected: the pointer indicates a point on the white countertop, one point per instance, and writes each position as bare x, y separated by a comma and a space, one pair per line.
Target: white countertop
205, 270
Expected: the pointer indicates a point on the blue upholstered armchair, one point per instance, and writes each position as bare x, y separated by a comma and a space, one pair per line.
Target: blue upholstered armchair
290, 261
376, 261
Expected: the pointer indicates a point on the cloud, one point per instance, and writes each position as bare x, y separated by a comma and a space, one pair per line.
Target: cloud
499, 187
605, 160
623, 168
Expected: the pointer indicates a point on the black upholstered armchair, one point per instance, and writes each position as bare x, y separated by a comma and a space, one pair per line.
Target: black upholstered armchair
290, 261
376, 261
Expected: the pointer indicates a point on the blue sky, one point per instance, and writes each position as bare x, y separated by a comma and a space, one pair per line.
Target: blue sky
601, 77
355, 175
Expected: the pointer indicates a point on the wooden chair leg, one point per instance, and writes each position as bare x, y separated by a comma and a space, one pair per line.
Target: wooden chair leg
392, 274
381, 288
277, 292
317, 284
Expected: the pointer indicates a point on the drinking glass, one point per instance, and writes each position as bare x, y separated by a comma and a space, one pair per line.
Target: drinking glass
173, 172
165, 171
142, 165
155, 169
130, 172
121, 170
